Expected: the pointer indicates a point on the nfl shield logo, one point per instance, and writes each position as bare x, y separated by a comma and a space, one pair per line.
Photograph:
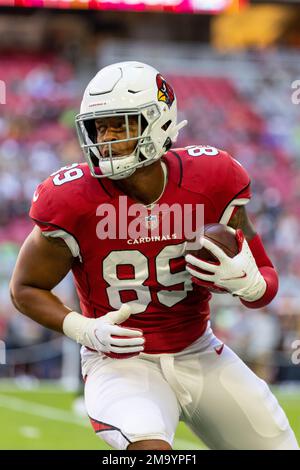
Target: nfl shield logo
151, 221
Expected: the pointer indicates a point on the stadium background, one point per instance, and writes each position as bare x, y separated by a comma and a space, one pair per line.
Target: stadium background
235, 75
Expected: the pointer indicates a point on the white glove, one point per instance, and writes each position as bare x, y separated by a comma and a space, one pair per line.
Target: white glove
238, 275
103, 334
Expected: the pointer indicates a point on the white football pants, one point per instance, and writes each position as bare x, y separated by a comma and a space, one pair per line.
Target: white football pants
206, 385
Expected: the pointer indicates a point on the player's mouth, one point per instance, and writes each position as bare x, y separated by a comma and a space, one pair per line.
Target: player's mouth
105, 154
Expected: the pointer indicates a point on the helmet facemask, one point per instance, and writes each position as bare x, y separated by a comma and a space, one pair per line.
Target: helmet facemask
109, 163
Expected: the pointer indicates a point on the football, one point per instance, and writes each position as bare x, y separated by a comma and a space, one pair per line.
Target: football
221, 236
224, 238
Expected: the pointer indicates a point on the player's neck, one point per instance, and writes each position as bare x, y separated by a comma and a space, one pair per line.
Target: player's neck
146, 184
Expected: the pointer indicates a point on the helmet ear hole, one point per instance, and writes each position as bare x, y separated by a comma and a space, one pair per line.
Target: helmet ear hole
166, 125
142, 158
168, 144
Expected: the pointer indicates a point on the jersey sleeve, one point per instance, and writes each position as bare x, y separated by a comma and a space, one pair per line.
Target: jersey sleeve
233, 189
49, 210
46, 210
52, 212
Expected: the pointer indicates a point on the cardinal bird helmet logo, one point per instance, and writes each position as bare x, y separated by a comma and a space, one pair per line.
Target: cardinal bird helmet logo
165, 92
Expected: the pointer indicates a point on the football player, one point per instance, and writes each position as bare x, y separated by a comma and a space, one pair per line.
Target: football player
149, 356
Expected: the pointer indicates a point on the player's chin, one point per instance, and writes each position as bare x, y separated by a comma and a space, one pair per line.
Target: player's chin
121, 356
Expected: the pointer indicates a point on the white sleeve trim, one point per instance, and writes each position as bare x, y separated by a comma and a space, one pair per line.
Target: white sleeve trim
230, 208
68, 239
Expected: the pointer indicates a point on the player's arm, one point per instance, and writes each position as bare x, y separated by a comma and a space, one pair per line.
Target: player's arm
240, 220
41, 265
249, 275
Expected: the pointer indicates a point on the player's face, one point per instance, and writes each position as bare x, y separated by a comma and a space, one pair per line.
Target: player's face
114, 128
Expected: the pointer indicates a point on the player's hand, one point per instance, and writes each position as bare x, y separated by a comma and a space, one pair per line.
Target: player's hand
104, 335
239, 275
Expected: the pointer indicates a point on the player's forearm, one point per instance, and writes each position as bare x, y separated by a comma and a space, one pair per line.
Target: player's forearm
271, 278
267, 271
40, 305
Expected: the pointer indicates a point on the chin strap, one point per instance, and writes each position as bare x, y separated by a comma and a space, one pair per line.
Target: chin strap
174, 132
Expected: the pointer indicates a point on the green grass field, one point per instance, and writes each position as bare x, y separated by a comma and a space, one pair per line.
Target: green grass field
43, 419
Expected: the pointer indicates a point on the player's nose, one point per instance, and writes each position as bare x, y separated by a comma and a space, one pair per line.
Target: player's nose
109, 135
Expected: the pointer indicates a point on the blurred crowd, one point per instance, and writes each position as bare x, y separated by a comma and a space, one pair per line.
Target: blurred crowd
36, 137
255, 121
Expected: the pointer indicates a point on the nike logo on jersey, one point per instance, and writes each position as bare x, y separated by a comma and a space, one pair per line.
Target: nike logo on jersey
35, 196
234, 278
219, 349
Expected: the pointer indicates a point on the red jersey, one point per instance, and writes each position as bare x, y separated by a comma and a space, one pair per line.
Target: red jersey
144, 270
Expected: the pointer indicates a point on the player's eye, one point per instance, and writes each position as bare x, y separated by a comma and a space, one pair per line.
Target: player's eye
133, 121
101, 129
119, 125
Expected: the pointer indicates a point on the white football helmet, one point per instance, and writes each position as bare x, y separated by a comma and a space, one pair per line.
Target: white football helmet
128, 89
